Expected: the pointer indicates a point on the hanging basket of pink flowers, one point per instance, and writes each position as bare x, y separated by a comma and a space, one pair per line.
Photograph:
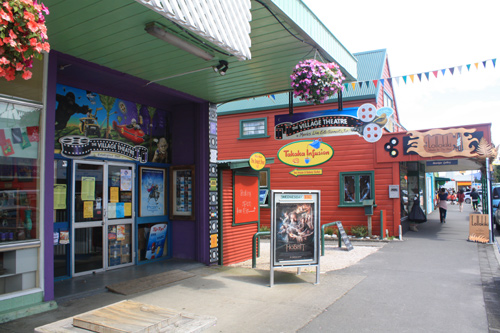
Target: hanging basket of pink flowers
314, 81
23, 36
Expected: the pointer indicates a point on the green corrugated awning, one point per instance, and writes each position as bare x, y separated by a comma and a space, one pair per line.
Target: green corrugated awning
241, 163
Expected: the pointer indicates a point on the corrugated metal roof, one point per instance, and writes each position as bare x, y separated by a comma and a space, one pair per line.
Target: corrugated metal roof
370, 67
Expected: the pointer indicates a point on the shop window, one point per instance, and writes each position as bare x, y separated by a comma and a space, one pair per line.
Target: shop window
253, 128
356, 187
19, 194
264, 187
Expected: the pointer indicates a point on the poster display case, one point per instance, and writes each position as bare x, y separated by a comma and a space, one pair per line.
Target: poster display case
182, 180
295, 234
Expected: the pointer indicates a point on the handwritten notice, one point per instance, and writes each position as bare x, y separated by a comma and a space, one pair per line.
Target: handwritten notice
246, 199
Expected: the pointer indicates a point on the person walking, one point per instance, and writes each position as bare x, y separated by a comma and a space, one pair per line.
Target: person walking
475, 199
461, 199
442, 204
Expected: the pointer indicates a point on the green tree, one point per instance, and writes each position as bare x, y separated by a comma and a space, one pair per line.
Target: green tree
107, 102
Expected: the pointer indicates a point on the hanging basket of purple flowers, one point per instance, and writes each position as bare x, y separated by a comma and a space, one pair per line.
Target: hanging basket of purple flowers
314, 81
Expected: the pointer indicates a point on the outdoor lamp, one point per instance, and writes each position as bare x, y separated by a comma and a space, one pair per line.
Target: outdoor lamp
221, 68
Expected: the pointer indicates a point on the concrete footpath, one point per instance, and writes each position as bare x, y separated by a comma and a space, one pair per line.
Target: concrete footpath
432, 281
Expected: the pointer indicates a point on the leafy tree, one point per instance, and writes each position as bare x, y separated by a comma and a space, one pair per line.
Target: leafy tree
107, 102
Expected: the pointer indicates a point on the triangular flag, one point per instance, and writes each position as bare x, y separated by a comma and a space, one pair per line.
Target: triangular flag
274, 97
353, 86
476, 64
360, 84
494, 62
389, 79
397, 80
435, 73
382, 81
375, 83
427, 75
443, 71
411, 77
345, 86
468, 67
367, 84
452, 69
484, 64
404, 78
460, 69
419, 76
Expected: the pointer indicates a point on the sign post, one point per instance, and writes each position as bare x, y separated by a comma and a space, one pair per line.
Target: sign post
295, 234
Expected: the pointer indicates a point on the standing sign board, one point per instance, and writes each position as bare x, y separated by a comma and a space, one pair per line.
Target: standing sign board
295, 217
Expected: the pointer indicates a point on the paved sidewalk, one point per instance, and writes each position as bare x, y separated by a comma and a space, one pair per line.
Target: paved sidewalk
432, 281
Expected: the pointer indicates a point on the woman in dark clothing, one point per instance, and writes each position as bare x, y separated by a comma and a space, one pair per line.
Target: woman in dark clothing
443, 206
475, 199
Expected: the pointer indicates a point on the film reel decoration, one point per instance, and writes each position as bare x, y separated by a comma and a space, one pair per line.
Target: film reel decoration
81, 146
390, 147
75, 146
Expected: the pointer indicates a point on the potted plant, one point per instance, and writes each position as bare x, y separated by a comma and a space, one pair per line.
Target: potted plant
23, 36
314, 81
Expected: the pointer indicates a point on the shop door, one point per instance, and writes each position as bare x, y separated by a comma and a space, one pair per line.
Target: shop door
102, 216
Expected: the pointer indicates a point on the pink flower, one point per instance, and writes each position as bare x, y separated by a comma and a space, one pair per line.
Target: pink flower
4, 61
33, 26
27, 75
19, 67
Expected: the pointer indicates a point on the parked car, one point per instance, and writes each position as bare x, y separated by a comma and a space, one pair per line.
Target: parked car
495, 201
468, 199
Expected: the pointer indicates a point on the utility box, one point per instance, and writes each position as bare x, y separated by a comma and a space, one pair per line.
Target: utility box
368, 205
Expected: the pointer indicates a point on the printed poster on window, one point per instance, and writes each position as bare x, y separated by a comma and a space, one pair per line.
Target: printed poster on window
152, 192
126, 180
88, 188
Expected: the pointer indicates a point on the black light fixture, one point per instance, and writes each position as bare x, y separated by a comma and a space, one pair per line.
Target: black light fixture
221, 68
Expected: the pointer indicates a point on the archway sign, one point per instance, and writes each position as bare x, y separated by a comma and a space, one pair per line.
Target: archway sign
295, 217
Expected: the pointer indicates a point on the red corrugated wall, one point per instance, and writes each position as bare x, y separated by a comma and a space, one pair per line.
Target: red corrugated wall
351, 153
236, 240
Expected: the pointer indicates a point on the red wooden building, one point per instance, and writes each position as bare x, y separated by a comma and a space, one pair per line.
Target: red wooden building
319, 147
248, 126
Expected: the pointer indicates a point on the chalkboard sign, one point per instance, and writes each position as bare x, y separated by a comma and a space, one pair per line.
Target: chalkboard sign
246, 199
345, 239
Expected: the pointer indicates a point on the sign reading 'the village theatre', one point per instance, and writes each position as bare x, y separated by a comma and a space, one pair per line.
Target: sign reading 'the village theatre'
295, 217
365, 121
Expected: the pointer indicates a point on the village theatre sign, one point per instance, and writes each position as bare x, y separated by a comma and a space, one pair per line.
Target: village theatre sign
365, 121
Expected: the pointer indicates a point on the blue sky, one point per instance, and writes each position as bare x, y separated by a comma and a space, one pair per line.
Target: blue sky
425, 36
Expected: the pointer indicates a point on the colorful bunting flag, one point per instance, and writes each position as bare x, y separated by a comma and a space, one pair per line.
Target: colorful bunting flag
412, 77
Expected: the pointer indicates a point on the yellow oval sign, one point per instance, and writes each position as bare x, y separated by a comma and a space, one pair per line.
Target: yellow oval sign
305, 153
257, 161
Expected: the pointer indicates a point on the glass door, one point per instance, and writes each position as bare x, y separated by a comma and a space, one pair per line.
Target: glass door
103, 216
88, 217
120, 217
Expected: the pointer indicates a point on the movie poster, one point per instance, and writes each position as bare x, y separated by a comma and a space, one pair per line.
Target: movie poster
295, 228
90, 124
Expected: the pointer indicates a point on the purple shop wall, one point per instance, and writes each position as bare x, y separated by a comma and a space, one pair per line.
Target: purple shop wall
189, 128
